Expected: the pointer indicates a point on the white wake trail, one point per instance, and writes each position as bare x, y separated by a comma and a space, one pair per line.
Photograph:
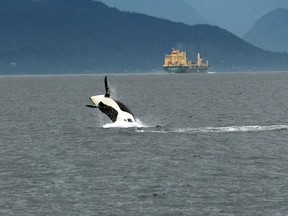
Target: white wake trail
217, 129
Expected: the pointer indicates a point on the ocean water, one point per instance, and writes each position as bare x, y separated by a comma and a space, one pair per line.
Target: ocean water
205, 144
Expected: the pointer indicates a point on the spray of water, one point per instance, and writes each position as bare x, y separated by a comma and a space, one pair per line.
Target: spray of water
123, 124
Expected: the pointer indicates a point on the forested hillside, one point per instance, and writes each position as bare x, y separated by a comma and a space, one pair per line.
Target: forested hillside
85, 36
270, 32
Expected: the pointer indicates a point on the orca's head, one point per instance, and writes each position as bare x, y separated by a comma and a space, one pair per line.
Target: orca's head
97, 99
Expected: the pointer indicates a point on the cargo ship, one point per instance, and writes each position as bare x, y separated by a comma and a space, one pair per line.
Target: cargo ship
177, 62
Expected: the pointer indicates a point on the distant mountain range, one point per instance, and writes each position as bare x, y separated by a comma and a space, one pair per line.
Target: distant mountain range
270, 32
178, 11
236, 16
86, 36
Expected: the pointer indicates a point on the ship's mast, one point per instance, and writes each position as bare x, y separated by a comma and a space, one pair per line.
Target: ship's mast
199, 60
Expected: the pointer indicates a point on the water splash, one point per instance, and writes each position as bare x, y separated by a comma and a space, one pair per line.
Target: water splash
124, 124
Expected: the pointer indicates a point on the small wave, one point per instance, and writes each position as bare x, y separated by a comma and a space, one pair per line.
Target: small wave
124, 124
216, 129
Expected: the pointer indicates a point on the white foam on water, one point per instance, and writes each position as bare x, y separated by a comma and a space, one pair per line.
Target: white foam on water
217, 129
124, 124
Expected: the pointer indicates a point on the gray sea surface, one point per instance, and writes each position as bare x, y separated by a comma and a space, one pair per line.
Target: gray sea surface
206, 144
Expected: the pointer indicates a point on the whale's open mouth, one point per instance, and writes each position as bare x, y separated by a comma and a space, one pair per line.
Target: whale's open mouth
93, 103
91, 106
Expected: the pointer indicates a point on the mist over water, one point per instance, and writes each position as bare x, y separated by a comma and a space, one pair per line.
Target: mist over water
204, 144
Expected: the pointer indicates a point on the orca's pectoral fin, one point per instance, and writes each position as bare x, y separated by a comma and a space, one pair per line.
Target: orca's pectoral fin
107, 89
91, 106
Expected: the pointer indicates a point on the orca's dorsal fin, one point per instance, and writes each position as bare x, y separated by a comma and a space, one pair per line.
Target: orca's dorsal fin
107, 89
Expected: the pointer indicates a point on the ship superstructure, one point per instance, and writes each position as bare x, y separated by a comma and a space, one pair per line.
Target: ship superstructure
176, 62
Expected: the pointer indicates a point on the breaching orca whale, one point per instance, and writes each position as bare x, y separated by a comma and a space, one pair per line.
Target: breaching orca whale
115, 110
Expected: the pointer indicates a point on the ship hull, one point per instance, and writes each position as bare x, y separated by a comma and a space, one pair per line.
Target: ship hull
184, 69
